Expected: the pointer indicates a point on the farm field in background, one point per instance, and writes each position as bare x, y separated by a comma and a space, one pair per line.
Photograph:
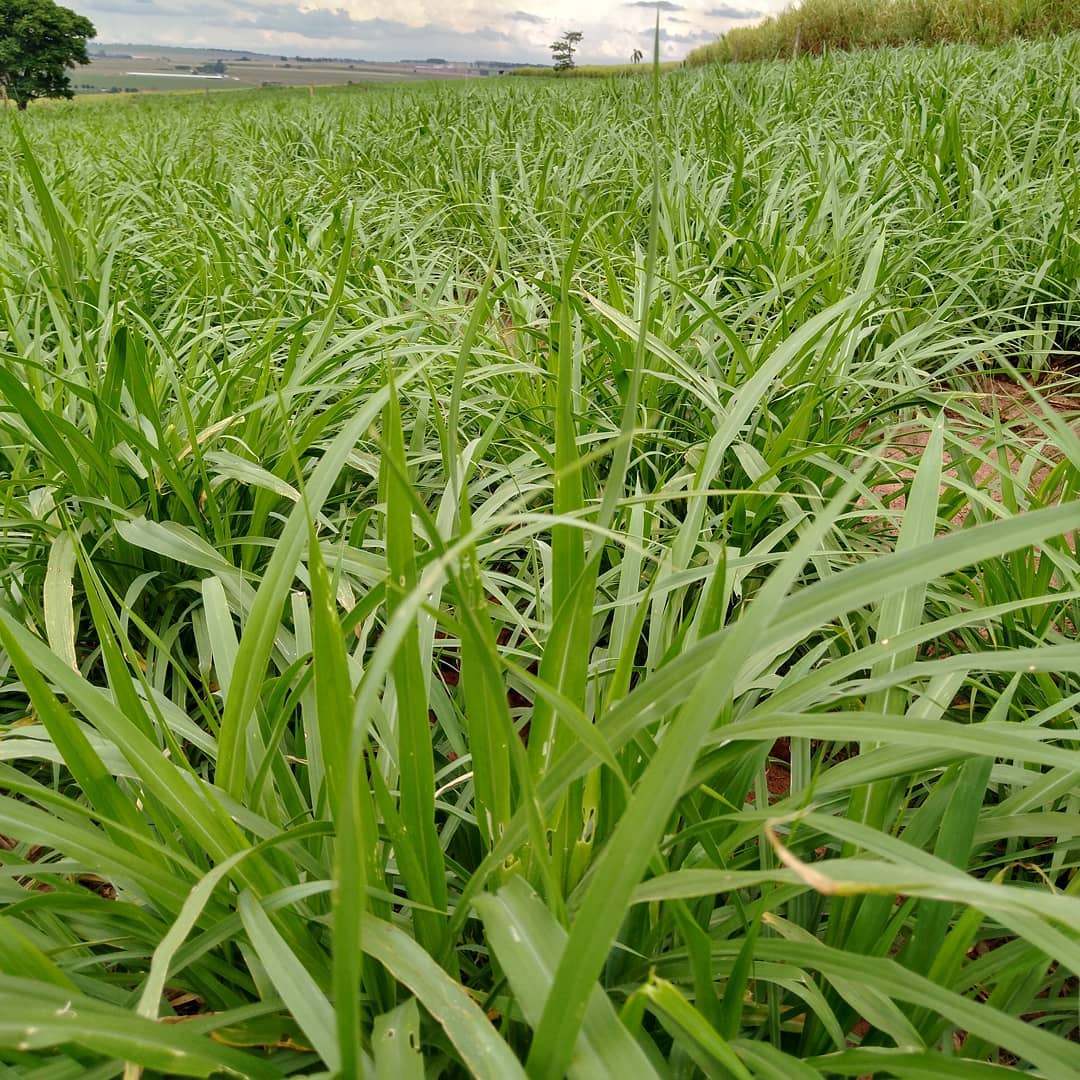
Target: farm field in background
176, 70
546, 577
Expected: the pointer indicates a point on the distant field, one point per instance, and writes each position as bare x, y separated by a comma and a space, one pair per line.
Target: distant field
163, 70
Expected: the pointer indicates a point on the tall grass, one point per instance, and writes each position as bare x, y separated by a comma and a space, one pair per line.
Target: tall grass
595, 71
456, 619
813, 27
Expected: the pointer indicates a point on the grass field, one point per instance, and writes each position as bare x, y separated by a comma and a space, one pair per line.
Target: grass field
546, 578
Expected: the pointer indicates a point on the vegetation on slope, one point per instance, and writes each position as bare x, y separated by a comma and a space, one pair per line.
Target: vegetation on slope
596, 71
457, 616
816, 26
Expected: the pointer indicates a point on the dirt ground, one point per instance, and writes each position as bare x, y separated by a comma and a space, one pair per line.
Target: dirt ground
999, 430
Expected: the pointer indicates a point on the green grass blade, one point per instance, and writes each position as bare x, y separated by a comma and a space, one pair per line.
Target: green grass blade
334, 707
59, 594
396, 1042
37, 1018
258, 637
482, 1050
413, 727
527, 942
297, 988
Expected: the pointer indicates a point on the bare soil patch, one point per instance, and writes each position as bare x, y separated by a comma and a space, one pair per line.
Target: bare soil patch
996, 432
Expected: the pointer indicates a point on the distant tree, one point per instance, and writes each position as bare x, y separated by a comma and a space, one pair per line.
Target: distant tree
636, 56
562, 51
39, 41
214, 67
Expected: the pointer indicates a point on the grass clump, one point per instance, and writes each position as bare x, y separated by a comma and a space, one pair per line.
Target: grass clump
814, 27
467, 606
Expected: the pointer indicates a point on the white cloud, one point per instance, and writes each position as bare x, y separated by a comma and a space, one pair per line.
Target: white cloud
466, 30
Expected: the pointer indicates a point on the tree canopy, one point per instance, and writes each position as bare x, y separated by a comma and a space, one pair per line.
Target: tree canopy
39, 41
562, 50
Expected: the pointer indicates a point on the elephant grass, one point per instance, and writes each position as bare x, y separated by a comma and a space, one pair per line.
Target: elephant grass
472, 604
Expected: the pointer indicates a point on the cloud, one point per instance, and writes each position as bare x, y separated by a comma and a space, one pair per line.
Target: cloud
147, 8
394, 29
263, 23
733, 13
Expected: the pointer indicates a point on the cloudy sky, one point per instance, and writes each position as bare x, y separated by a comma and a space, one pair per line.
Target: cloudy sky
408, 29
